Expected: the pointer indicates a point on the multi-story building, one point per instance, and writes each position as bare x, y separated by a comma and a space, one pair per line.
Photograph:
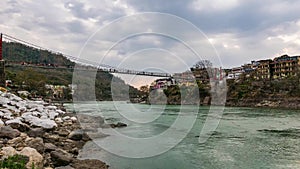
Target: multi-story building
235, 73
162, 83
284, 66
200, 74
186, 78
264, 69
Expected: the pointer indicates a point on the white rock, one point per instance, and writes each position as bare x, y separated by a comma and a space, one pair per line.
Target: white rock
21, 104
31, 104
4, 100
60, 111
52, 114
28, 117
5, 111
23, 109
44, 117
6, 114
66, 118
35, 113
51, 107
44, 123
8, 151
16, 120
13, 103
74, 119
39, 102
35, 158
59, 120
12, 108
40, 109
23, 93
16, 98
26, 114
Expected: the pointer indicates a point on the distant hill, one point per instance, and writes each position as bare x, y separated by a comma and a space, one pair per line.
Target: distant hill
18, 53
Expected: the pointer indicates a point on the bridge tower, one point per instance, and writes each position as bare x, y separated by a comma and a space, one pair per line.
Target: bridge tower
2, 65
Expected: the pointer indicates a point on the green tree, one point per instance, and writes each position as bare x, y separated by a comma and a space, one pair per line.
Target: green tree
32, 81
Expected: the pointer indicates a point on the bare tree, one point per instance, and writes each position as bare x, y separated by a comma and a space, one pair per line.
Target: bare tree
203, 64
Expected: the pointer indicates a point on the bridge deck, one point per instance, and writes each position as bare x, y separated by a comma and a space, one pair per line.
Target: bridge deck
130, 72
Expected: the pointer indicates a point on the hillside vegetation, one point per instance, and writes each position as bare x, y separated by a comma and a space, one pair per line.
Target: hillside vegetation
58, 72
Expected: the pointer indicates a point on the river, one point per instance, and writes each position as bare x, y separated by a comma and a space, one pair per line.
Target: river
246, 138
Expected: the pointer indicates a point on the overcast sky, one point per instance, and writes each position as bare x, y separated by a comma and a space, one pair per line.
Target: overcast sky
230, 32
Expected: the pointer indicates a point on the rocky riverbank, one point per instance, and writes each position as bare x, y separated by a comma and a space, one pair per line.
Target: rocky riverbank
49, 137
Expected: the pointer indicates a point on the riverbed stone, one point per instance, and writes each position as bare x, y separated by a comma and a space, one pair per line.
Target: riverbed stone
36, 132
7, 152
52, 114
35, 158
50, 147
36, 143
37, 122
76, 135
66, 118
59, 120
16, 142
18, 124
8, 132
73, 119
51, 107
61, 158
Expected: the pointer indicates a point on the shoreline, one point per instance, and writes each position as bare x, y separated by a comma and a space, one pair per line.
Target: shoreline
46, 136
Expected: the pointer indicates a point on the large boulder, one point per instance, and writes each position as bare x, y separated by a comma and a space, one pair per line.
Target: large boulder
78, 135
17, 142
44, 123
7, 152
50, 147
36, 143
38, 122
35, 158
36, 132
8, 132
61, 158
18, 124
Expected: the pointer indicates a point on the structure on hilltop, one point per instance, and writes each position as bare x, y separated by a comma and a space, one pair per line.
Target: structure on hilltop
280, 67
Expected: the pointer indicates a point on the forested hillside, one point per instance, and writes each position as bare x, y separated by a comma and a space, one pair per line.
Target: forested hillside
17, 52
33, 79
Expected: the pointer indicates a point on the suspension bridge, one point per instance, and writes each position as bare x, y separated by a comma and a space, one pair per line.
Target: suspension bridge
100, 67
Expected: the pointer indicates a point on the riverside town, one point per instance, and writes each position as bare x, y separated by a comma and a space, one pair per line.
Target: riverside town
149, 84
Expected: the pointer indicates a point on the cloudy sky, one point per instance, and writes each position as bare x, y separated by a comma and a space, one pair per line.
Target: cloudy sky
229, 33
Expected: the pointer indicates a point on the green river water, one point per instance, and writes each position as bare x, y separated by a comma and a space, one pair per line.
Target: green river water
246, 138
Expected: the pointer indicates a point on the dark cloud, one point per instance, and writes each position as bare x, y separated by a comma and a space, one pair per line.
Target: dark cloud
240, 29
76, 27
